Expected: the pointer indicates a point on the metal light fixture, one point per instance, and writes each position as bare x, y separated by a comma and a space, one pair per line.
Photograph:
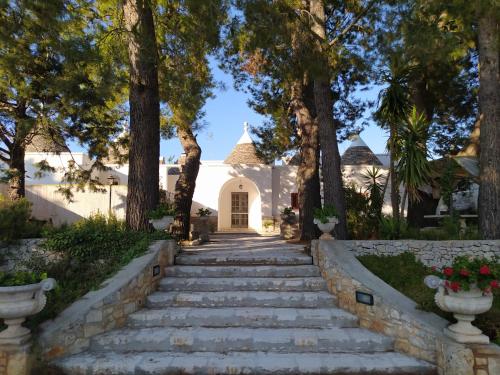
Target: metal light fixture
241, 186
112, 180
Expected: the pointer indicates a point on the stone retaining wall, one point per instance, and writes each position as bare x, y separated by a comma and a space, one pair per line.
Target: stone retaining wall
431, 253
416, 333
13, 254
107, 308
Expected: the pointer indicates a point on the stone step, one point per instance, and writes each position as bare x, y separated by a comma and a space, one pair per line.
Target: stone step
252, 317
242, 271
211, 284
240, 339
257, 363
240, 299
291, 257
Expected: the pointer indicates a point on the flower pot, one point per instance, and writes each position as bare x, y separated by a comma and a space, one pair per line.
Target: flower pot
163, 223
19, 302
327, 228
464, 305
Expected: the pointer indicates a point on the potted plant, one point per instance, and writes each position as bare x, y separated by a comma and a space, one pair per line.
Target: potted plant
465, 289
326, 219
162, 216
288, 216
21, 294
204, 213
203, 226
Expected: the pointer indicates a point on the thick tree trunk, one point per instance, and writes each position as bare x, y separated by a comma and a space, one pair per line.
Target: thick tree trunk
17, 172
333, 191
394, 177
308, 171
489, 105
184, 188
144, 151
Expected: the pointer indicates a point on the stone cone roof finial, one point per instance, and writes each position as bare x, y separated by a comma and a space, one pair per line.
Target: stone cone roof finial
244, 152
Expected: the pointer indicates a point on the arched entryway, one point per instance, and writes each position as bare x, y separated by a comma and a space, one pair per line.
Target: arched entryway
239, 206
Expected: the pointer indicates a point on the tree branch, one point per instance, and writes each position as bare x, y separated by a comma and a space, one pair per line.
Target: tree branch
348, 28
4, 136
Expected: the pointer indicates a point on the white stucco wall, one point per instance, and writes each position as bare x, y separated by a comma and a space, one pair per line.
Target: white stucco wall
59, 162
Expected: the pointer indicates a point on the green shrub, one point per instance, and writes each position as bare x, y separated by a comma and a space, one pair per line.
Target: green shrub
86, 253
21, 278
14, 216
325, 213
361, 224
391, 229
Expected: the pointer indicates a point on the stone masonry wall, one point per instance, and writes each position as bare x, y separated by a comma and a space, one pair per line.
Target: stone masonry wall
415, 332
107, 308
13, 254
431, 253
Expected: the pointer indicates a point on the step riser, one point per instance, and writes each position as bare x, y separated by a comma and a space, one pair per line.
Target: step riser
242, 340
245, 284
242, 271
239, 299
234, 317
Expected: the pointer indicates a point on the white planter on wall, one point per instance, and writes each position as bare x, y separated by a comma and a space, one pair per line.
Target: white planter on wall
464, 305
163, 223
19, 302
327, 228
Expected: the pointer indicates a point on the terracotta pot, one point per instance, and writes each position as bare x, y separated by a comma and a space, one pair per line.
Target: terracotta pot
19, 302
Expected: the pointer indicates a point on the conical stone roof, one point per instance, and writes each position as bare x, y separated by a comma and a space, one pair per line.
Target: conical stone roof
45, 140
358, 153
244, 152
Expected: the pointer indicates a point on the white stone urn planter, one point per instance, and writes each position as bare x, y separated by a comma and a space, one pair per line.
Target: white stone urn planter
327, 227
464, 305
163, 223
16, 304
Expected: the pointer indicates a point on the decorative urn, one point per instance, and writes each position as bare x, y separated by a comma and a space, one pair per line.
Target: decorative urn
464, 305
327, 227
163, 223
19, 302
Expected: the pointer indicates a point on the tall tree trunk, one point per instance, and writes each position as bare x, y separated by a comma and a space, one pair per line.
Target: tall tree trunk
184, 188
144, 151
333, 191
394, 177
308, 171
17, 171
489, 105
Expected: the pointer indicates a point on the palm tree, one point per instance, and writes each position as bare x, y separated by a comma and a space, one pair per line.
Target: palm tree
413, 169
394, 103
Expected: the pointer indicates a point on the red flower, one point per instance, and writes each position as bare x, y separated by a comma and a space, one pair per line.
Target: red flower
484, 270
448, 271
455, 286
464, 272
495, 284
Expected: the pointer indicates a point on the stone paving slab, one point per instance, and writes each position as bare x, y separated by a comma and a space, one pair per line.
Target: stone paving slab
243, 317
241, 299
200, 284
245, 258
209, 363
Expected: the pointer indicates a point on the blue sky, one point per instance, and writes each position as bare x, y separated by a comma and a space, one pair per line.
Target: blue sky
226, 113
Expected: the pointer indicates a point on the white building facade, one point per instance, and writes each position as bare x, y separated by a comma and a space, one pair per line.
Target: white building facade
240, 191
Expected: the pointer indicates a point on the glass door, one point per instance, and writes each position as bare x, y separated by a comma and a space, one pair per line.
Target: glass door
239, 210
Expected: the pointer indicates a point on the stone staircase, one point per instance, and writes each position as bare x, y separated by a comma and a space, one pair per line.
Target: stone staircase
242, 312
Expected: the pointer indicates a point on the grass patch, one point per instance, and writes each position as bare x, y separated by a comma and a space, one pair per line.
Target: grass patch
406, 274
84, 255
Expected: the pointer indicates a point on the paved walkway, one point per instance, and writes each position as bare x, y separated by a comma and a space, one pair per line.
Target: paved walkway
243, 241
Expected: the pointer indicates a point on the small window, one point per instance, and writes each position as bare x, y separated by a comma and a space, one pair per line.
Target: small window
295, 201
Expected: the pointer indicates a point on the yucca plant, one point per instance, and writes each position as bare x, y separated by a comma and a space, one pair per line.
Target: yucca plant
413, 168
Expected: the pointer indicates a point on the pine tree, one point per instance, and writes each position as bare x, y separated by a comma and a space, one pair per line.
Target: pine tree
54, 81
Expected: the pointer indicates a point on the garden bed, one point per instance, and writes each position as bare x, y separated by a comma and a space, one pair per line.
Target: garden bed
83, 255
406, 274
